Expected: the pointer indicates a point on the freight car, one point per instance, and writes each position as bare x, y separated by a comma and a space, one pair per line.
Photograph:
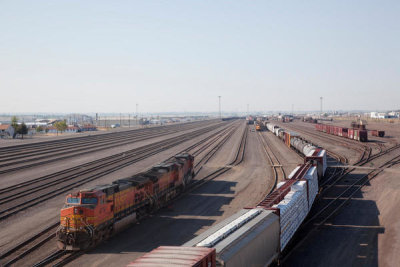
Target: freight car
350, 133
311, 152
93, 214
169, 256
258, 235
377, 133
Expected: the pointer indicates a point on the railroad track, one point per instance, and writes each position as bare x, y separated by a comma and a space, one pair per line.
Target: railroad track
68, 142
58, 258
24, 195
326, 212
27, 159
277, 168
239, 157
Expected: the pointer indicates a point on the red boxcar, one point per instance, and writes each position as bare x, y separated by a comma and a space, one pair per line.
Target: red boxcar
343, 132
168, 256
360, 135
363, 135
351, 133
378, 133
336, 130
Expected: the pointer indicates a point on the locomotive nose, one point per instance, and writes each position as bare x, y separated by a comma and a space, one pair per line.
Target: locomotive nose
78, 211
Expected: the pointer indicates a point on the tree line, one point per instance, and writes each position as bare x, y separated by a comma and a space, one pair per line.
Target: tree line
22, 129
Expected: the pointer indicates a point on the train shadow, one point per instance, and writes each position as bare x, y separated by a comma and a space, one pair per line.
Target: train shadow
175, 225
348, 238
376, 141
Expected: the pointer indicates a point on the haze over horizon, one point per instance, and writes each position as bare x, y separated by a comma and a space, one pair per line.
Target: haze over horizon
178, 56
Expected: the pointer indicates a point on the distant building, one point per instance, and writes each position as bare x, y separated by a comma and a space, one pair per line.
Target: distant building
6, 131
379, 115
394, 114
72, 129
88, 127
51, 129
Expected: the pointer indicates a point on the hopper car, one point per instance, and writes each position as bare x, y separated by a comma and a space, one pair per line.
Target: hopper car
350, 133
92, 215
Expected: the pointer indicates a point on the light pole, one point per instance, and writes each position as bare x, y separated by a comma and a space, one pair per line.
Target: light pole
320, 98
137, 115
219, 106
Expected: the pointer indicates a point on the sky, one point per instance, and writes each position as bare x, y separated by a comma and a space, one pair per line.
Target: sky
165, 56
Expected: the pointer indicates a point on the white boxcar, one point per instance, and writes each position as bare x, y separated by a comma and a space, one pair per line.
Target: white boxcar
293, 209
318, 157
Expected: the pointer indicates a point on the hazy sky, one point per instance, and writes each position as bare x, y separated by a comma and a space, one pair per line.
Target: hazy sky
106, 56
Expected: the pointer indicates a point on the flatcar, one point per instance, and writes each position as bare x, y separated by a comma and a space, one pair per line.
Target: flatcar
92, 215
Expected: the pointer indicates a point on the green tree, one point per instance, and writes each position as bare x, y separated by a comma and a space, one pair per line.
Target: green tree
14, 124
39, 129
22, 129
61, 126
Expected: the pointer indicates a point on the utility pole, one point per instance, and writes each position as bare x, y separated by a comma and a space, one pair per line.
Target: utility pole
120, 120
320, 98
219, 105
292, 109
129, 120
247, 110
137, 115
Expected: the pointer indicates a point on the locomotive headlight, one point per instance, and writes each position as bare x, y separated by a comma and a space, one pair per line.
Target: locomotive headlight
76, 211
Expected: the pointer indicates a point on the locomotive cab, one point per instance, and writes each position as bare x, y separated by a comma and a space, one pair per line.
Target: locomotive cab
82, 213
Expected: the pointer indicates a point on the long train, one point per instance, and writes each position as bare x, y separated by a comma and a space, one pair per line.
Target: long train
254, 236
92, 215
350, 133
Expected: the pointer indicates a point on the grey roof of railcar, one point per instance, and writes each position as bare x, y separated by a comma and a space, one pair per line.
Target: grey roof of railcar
243, 231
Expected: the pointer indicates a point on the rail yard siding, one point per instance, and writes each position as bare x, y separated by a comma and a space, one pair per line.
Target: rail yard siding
256, 236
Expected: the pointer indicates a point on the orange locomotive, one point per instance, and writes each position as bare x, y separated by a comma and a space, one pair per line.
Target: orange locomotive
91, 215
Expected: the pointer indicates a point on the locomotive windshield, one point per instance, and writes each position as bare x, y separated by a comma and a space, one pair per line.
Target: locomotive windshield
89, 200
73, 200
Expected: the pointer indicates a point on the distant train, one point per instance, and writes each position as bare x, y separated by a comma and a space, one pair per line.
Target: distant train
350, 133
91, 215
